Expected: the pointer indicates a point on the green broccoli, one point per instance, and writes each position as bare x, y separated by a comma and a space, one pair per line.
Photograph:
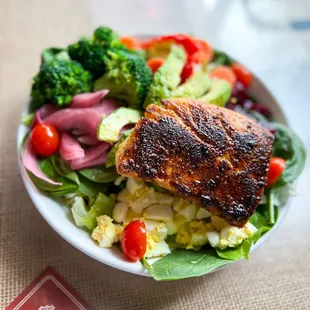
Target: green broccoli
90, 54
105, 36
128, 78
58, 81
54, 53
167, 78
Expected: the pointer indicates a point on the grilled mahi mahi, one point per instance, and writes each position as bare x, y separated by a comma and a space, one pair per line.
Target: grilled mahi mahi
211, 156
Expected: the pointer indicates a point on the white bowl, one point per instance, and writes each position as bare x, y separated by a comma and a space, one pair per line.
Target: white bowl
59, 217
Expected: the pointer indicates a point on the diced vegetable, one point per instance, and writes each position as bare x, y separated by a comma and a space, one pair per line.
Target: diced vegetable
224, 73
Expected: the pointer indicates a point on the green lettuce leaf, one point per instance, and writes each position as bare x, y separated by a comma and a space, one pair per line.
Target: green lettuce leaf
103, 205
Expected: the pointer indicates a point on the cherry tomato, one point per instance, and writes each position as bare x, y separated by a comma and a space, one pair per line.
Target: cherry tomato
243, 75
155, 63
133, 240
130, 42
276, 168
224, 73
44, 139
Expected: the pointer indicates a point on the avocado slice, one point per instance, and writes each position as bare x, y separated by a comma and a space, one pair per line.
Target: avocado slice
167, 78
111, 126
194, 87
219, 93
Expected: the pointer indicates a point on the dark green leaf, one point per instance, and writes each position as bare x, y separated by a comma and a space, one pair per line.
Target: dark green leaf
243, 250
288, 145
91, 189
221, 58
63, 169
100, 174
180, 264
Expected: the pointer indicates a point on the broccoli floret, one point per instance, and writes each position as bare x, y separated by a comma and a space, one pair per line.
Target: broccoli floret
105, 36
90, 54
167, 78
128, 78
58, 81
54, 53
93, 53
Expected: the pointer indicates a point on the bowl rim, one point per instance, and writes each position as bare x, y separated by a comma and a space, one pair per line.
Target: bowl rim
90, 250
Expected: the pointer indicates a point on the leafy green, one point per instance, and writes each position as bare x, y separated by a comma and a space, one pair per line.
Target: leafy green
221, 58
67, 187
288, 145
111, 156
27, 119
181, 264
79, 211
62, 168
243, 250
89, 188
103, 205
99, 174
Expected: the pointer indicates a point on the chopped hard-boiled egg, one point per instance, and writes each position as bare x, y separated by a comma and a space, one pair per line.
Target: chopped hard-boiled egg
165, 214
159, 212
120, 212
133, 185
106, 233
202, 214
188, 211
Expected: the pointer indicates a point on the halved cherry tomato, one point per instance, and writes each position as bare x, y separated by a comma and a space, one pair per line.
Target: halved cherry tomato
44, 139
130, 42
133, 240
224, 73
276, 167
243, 75
155, 63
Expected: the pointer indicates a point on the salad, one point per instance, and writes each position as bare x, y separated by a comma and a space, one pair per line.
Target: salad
157, 146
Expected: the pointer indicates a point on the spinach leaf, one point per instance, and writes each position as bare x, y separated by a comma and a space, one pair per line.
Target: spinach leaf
111, 156
221, 58
67, 187
63, 169
243, 250
91, 189
181, 264
288, 145
100, 174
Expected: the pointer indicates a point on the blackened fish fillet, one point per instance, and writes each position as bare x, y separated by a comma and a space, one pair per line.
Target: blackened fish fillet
211, 156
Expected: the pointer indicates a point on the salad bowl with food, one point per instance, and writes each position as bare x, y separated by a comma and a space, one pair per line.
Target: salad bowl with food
158, 155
